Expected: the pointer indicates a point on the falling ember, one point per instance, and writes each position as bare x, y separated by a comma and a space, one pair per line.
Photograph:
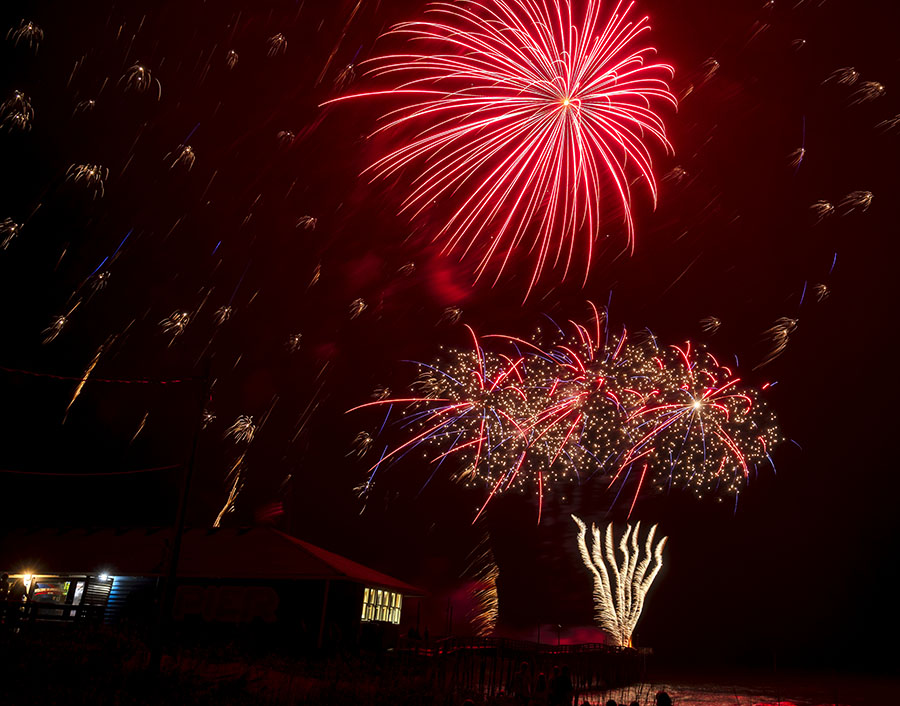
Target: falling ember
8, 232
184, 157
243, 429
621, 582
524, 133
28, 33
16, 113
294, 342
175, 324
91, 175
779, 335
222, 314
235, 477
277, 44
139, 79
307, 223
710, 324
821, 209
357, 307
87, 373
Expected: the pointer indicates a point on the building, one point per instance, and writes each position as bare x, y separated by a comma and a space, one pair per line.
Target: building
256, 581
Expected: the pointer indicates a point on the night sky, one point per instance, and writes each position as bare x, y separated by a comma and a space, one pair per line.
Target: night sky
805, 566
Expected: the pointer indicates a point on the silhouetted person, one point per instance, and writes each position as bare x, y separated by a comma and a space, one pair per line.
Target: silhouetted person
522, 685
634, 703
541, 690
555, 690
663, 699
566, 686
611, 702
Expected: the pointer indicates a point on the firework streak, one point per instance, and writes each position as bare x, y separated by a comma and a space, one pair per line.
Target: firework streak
637, 417
522, 117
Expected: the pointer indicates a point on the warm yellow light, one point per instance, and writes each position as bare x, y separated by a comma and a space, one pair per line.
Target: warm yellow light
565, 101
697, 404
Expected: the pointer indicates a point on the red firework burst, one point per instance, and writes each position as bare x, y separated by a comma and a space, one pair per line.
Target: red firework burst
524, 114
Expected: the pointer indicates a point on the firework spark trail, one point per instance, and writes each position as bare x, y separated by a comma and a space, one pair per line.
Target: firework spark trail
87, 373
621, 589
524, 115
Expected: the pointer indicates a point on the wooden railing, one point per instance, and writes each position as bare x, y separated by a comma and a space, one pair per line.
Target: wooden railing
17, 614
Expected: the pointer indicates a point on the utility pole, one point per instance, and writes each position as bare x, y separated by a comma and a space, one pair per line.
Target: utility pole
168, 588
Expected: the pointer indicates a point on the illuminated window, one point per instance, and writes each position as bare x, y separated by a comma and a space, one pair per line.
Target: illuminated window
381, 606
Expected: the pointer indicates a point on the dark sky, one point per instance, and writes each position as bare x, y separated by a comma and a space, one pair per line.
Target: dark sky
807, 562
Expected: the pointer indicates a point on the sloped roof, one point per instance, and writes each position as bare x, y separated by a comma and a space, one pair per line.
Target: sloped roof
261, 553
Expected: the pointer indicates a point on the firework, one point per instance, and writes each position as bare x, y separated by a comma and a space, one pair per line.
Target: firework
307, 223
408, 269
235, 477
27, 33
16, 112
184, 157
856, 201
357, 307
277, 44
9, 229
294, 342
620, 583
795, 159
316, 276
822, 292
676, 175
451, 315
59, 323
99, 281
710, 325
208, 418
867, 91
821, 210
846, 76
93, 176
231, 59
87, 374
141, 426
285, 137
175, 324
779, 335
529, 417
362, 442
346, 76
243, 429
526, 116
222, 314
139, 79
85, 106
484, 573
381, 393
889, 124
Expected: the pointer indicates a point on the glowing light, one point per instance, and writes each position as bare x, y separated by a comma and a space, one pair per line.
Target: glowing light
621, 582
525, 118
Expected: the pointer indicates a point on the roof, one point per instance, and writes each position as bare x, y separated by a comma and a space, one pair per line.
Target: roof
261, 553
